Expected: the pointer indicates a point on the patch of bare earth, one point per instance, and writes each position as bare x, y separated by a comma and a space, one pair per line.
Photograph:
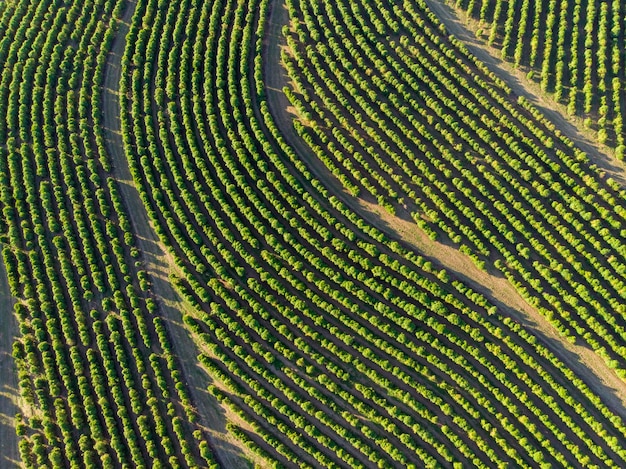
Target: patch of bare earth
9, 392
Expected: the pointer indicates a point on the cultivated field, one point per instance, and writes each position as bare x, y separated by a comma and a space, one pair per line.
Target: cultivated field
297, 233
572, 49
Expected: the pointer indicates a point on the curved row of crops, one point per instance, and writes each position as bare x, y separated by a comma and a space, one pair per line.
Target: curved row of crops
334, 345
576, 47
96, 368
417, 121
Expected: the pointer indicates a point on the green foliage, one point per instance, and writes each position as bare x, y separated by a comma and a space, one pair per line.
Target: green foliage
574, 46
334, 344
82, 356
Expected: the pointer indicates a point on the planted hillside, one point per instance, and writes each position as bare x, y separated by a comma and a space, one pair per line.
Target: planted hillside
99, 381
418, 122
333, 345
574, 48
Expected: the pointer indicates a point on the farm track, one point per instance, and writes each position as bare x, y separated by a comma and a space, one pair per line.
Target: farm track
159, 264
9, 393
581, 359
520, 86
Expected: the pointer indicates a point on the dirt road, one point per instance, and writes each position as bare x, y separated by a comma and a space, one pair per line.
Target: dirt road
585, 363
157, 264
9, 393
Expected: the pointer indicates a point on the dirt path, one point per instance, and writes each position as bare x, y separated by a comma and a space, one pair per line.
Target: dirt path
570, 126
9, 393
497, 289
157, 264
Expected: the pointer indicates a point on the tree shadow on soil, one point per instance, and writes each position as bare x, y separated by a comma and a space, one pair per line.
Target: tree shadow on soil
9, 455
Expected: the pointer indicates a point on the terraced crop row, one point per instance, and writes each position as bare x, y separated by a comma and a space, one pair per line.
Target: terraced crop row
575, 47
418, 122
335, 346
96, 367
